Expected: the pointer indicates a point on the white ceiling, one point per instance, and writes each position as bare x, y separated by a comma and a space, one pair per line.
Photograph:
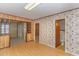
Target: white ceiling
43, 9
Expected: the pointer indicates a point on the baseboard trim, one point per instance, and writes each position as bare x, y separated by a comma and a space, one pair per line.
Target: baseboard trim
47, 44
74, 54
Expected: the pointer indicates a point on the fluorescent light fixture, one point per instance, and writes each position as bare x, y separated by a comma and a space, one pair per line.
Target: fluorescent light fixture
30, 6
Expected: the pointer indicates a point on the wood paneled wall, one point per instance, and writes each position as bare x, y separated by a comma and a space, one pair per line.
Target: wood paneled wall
4, 41
13, 17
18, 18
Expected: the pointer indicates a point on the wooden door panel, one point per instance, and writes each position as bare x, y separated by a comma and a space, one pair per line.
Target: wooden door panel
57, 33
37, 32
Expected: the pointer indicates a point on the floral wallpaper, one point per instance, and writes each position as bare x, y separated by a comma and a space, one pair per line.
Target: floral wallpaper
47, 30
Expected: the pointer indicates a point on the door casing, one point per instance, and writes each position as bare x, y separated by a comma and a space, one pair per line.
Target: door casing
37, 32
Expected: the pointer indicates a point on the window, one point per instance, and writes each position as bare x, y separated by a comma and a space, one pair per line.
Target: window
7, 28
4, 27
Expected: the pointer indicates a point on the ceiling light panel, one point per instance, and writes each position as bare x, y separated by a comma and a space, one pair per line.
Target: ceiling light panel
30, 6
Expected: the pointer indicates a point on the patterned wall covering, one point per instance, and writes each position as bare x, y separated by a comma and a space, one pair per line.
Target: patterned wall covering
47, 30
46, 36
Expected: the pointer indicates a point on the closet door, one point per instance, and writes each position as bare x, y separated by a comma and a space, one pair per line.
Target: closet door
13, 30
21, 31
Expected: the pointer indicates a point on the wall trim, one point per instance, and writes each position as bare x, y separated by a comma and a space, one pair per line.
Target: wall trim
47, 45
73, 54
56, 13
14, 15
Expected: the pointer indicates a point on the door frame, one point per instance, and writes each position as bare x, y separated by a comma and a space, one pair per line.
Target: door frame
35, 32
55, 31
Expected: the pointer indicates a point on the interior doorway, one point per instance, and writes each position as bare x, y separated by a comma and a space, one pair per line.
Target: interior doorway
60, 34
37, 32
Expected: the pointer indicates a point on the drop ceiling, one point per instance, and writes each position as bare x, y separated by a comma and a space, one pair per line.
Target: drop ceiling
43, 9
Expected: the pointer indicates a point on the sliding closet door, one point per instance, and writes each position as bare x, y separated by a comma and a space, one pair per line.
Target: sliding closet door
20, 31
13, 30
17, 32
